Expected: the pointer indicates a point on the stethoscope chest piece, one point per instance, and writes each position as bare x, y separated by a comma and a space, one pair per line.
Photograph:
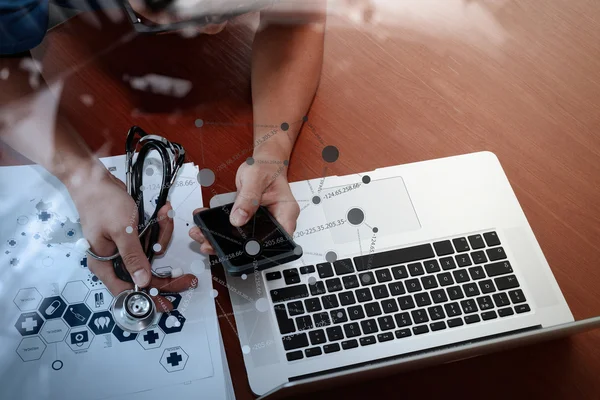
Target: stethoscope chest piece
133, 311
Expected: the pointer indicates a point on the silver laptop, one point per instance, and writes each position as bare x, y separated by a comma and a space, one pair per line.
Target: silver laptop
402, 267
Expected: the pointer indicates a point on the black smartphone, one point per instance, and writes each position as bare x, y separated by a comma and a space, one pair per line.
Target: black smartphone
260, 244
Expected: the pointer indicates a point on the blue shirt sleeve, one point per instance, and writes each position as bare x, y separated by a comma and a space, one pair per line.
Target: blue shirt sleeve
23, 24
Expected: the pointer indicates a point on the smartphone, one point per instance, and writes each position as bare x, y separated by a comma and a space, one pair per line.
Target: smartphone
260, 244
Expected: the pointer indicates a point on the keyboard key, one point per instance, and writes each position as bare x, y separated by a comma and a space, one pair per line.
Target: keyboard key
469, 306
385, 337
271, 276
293, 342
396, 288
372, 309
368, 340
517, 296
471, 289
291, 276
321, 319
506, 282
487, 286
355, 313
386, 323
369, 326
406, 302
400, 272
461, 275
317, 288
331, 348
429, 282
419, 330
366, 278
312, 305
422, 299
350, 281
347, 298
343, 267
476, 273
447, 263
304, 323
461, 244
455, 293
383, 275
403, 319
313, 351
325, 270
505, 312
330, 301
485, 303
317, 337
488, 315
333, 285
294, 355
286, 325
436, 312
380, 292
437, 326
498, 268
295, 308
431, 266
349, 344
452, 309
415, 269
419, 316
463, 260
476, 242
495, 254
338, 316
393, 257
478, 257
413, 285
501, 299
522, 308
439, 296
445, 278
334, 333
307, 269
491, 239
289, 293
363, 295
443, 248
352, 330
389, 306
454, 322
471, 319
402, 333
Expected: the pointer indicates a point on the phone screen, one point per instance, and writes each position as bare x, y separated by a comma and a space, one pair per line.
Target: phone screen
261, 243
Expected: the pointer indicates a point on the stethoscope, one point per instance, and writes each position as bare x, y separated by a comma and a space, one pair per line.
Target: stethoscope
134, 309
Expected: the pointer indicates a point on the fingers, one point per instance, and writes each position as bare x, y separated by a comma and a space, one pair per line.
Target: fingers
286, 213
133, 257
105, 272
247, 201
166, 224
197, 235
179, 284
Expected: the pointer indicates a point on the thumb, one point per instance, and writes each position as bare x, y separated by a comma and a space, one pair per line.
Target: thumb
246, 202
134, 258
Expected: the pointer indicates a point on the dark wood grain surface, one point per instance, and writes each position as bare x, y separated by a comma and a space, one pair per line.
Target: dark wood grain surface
518, 78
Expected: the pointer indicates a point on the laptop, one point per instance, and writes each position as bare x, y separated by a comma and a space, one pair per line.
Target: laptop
402, 267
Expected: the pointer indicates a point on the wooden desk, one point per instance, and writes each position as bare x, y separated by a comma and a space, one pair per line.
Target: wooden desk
519, 78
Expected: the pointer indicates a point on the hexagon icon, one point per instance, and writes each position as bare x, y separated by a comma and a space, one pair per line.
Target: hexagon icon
28, 299
52, 307
31, 348
75, 292
29, 323
174, 359
54, 331
79, 338
171, 322
99, 300
102, 323
174, 298
77, 315
123, 336
151, 338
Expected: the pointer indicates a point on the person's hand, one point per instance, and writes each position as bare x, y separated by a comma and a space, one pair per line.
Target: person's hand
258, 184
106, 212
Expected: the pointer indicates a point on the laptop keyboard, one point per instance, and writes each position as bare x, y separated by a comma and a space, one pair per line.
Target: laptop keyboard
394, 294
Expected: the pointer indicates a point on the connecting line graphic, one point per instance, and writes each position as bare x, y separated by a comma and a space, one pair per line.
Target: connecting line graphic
230, 324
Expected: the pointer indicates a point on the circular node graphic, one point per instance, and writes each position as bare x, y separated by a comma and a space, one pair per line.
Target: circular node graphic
286, 162
312, 280
316, 200
366, 179
245, 349
142, 188
171, 213
330, 154
356, 216
157, 247
57, 365
153, 292
285, 126
252, 247
298, 250
244, 277
206, 177
149, 171
254, 202
249, 160
262, 304
199, 123
129, 229
375, 230
366, 278
214, 293
305, 118
331, 256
